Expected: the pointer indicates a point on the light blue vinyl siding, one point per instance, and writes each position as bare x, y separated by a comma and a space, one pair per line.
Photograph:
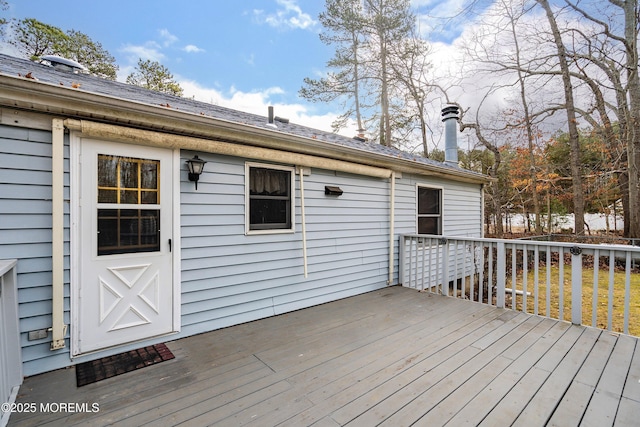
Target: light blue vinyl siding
229, 277
25, 234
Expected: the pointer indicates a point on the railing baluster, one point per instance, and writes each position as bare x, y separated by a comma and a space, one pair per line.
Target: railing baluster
439, 274
490, 280
548, 271
535, 279
445, 268
463, 280
561, 283
432, 282
480, 272
455, 267
627, 291
501, 274
612, 265
514, 268
422, 252
594, 300
401, 258
525, 273
576, 285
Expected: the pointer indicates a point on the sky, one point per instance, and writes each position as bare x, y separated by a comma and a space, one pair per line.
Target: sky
241, 54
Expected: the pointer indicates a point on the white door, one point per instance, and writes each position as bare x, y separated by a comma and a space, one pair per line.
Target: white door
125, 290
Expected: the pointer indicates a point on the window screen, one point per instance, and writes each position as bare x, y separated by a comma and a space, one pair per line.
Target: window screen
429, 210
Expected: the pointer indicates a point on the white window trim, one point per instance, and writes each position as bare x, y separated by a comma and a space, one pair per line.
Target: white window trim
433, 187
247, 216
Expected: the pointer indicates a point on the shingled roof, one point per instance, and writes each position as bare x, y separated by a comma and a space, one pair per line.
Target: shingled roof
16, 67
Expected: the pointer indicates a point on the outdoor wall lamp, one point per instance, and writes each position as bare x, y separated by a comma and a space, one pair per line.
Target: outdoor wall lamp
196, 166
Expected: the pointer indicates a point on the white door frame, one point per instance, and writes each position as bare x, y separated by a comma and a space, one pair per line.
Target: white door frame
75, 152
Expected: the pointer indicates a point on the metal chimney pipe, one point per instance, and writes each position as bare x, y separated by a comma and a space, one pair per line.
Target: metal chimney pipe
450, 119
270, 114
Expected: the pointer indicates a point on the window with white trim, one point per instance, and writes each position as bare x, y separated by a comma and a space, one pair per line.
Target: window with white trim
269, 198
429, 210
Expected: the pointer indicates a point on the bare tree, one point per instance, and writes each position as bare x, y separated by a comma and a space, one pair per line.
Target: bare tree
572, 123
627, 88
410, 68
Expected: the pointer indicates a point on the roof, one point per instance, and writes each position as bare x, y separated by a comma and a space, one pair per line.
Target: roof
42, 74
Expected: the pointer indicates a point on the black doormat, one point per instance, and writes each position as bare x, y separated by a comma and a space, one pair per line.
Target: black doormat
107, 367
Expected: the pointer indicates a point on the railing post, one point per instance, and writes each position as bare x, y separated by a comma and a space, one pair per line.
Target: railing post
576, 285
446, 253
401, 251
501, 276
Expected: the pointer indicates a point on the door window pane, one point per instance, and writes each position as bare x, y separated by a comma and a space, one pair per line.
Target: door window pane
122, 180
123, 231
128, 181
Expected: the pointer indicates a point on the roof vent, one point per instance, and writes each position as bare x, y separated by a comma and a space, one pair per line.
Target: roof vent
270, 118
63, 64
360, 136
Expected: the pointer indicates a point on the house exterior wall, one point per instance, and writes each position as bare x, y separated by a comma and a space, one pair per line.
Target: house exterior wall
25, 234
227, 277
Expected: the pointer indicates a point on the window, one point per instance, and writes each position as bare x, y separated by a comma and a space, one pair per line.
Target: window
128, 205
269, 192
429, 210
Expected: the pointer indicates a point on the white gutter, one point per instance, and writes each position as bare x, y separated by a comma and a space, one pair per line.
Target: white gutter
159, 139
392, 219
57, 239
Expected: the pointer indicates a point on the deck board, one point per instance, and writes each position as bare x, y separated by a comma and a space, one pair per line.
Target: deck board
390, 357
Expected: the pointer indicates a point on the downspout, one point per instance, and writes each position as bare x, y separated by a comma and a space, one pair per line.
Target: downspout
304, 222
57, 239
392, 215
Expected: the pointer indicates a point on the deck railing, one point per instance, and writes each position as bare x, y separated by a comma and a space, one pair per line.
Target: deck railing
595, 285
10, 361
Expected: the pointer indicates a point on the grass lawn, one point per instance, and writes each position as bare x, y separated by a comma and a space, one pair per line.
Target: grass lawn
617, 320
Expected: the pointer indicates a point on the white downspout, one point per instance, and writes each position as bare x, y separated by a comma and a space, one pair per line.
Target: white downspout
57, 238
304, 222
392, 215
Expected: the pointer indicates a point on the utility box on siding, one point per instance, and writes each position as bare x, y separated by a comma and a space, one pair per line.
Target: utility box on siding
10, 356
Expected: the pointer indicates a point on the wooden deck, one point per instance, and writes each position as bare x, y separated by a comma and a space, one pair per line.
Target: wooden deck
393, 357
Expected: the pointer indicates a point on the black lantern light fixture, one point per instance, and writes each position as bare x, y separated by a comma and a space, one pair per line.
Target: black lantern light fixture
196, 166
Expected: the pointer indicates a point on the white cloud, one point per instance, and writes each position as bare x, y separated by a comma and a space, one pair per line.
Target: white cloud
167, 37
257, 102
150, 50
289, 15
191, 48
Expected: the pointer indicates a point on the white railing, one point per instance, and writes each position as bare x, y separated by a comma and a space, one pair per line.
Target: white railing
10, 360
596, 285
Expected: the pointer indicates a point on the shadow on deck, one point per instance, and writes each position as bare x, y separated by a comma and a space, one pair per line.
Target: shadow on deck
394, 357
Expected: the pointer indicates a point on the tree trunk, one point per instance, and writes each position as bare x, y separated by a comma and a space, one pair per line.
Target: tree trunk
633, 144
574, 136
